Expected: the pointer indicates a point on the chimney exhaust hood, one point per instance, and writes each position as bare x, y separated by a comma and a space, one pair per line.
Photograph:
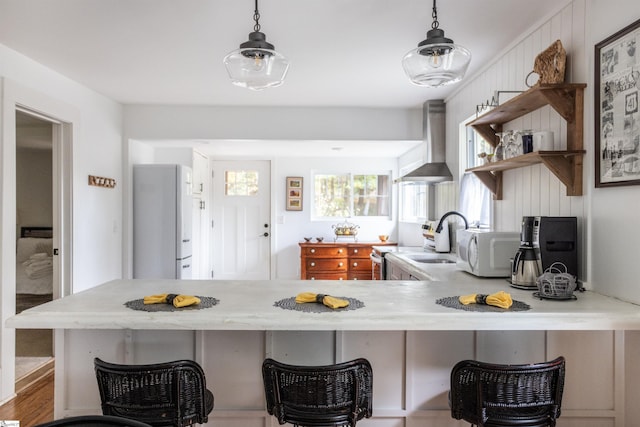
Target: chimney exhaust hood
433, 127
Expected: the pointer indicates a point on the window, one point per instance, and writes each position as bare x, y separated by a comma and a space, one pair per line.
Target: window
241, 183
413, 201
475, 197
475, 146
351, 195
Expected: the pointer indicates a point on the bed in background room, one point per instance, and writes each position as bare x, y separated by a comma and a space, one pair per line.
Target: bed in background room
34, 267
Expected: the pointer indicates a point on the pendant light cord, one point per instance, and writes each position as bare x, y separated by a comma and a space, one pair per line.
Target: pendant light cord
434, 14
256, 17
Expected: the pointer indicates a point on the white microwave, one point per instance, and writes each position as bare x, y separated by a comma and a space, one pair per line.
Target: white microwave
486, 253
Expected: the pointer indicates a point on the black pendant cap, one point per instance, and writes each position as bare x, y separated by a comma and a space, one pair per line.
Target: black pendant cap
435, 37
257, 40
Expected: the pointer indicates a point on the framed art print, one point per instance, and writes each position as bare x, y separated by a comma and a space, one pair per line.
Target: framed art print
294, 193
617, 132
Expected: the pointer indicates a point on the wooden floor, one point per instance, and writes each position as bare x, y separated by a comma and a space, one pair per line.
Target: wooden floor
34, 403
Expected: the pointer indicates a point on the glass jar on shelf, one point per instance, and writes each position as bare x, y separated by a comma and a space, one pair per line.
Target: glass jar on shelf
527, 141
499, 151
513, 144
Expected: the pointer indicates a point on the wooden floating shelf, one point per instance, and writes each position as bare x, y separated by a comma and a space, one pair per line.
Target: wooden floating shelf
558, 162
568, 101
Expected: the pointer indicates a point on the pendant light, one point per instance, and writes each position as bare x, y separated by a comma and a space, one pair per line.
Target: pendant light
256, 65
437, 61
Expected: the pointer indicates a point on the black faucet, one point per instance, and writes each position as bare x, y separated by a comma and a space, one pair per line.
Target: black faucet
439, 227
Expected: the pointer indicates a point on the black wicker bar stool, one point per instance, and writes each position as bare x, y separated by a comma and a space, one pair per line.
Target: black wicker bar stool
162, 394
491, 395
319, 396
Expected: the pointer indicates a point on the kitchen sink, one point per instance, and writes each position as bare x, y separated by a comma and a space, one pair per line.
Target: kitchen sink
435, 261
429, 258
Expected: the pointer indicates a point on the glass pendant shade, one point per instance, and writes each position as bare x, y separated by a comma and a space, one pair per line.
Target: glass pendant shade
437, 61
256, 65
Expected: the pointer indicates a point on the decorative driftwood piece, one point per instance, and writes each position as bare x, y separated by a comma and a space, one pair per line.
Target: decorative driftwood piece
549, 65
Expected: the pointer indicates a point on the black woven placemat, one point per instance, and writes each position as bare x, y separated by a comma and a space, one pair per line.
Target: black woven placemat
314, 307
454, 302
138, 304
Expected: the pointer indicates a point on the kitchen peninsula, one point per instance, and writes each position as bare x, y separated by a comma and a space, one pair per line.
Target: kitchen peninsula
411, 340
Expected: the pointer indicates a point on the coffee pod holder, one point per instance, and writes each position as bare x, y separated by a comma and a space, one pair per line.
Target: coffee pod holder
556, 283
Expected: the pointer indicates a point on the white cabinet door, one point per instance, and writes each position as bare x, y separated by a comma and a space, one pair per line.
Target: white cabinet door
200, 173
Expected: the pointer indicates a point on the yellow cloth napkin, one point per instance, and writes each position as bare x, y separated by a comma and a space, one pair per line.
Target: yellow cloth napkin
499, 299
328, 300
177, 300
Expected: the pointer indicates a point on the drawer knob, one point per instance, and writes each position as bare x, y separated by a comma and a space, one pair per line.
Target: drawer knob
313, 264
355, 251
313, 251
355, 264
339, 251
340, 278
340, 264
313, 278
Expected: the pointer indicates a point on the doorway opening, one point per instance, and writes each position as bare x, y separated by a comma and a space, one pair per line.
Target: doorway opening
35, 282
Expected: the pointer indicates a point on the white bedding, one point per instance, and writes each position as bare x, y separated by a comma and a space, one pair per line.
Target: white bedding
34, 272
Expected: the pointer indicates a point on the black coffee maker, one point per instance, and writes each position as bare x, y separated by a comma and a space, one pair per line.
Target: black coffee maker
555, 239
525, 269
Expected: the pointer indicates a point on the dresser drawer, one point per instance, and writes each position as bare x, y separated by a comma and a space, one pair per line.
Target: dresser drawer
326, 276
328, 252
359, 252
324, 264
363, 275
360, 264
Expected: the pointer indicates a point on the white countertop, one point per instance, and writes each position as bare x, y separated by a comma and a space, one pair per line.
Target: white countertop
389, 305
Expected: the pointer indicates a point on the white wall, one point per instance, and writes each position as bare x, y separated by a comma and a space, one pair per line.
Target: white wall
277, 123
613, 212
97, 214
96, 151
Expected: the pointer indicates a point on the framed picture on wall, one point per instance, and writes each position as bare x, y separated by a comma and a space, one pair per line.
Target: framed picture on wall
617, 118
294, 193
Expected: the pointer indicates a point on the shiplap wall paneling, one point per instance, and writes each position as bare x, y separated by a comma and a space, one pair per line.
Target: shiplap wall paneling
593, 388
430, 357
232, 361
74, 362
386, 351
532, 190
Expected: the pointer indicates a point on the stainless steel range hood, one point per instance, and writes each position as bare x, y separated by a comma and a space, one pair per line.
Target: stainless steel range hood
433, 127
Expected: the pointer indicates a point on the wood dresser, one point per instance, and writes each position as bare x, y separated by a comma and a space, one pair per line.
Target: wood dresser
337, 261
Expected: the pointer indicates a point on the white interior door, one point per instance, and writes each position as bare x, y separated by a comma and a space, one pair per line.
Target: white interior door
241, 206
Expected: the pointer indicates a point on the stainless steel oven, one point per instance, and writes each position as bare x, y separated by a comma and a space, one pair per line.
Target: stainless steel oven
377, 266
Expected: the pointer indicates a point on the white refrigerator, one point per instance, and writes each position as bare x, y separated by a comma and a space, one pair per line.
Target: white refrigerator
162, 215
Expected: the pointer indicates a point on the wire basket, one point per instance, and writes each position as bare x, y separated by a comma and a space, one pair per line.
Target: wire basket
556, 283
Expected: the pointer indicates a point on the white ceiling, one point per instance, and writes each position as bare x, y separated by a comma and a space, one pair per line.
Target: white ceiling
343, 52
